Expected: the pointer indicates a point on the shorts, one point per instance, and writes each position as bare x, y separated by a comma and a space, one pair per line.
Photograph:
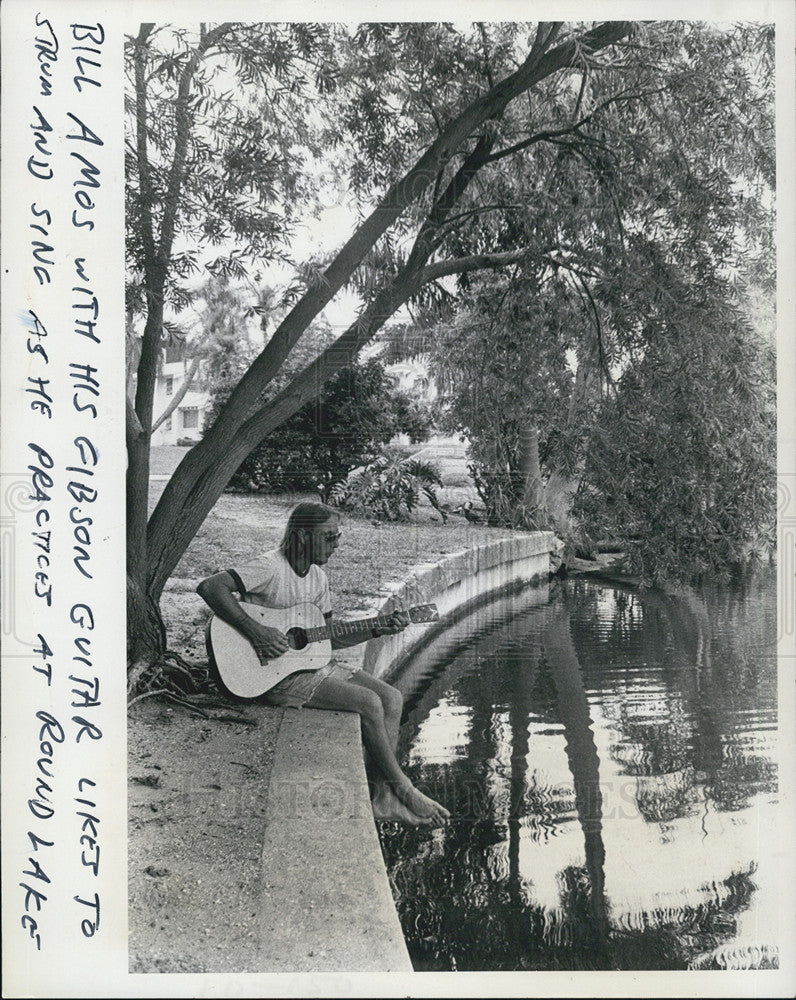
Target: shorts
297, 689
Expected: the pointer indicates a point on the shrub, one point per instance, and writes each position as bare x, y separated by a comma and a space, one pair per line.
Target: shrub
389, 487
356, 413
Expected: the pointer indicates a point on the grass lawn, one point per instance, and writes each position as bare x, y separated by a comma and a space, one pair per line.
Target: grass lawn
164, 459
369, 555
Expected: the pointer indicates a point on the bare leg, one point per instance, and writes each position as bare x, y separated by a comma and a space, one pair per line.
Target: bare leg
343, 695
391, 700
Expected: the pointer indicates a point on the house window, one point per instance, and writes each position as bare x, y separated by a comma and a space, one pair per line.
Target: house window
167, 424
169, 384
190, 417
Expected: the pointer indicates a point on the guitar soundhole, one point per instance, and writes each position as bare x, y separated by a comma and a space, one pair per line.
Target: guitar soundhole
297, 638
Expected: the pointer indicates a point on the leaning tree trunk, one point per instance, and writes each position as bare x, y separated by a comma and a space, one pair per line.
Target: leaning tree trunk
190, 494
202, 475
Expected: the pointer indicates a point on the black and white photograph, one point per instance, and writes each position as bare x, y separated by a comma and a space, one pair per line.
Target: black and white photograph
438, 499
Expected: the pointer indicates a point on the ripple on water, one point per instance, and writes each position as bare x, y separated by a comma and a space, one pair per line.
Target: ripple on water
608, 759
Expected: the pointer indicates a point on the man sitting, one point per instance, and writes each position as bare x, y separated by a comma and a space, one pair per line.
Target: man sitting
292, 575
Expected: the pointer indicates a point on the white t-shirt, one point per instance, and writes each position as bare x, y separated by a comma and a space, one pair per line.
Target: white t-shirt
271, 581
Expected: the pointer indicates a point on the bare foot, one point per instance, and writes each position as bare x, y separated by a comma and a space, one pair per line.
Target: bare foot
421, 804
386, 806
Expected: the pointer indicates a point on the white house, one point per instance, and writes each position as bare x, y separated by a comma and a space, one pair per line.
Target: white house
188, 418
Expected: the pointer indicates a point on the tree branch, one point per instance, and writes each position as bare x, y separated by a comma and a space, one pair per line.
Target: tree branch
569, 129
427, 101
546, 33
144, 178
487, 67
477, 211
547, 136
475, 262
553, 33
429, 234
491, 261
581, 92
557, 262
181, 127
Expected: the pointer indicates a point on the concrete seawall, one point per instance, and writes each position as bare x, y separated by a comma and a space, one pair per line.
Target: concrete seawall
458, 584
327, 904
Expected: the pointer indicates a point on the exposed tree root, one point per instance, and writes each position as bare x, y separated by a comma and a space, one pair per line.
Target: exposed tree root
135, 676
187, 704
170, 675
146, 694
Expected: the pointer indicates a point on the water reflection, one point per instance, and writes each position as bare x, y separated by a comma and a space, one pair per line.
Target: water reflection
608, 759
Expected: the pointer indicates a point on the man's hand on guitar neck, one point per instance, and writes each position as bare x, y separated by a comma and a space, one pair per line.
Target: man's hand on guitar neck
397, 622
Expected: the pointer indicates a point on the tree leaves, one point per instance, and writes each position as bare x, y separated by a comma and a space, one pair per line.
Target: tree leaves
648, 213
242, 176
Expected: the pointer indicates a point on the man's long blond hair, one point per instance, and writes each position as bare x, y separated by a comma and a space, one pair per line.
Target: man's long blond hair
305, 516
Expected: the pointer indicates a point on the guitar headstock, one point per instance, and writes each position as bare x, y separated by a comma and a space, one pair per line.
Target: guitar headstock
423, 613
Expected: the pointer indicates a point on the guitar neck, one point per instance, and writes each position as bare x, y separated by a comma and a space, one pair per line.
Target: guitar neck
338, 630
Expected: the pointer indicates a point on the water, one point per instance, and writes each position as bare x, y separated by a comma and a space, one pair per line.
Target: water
609, 761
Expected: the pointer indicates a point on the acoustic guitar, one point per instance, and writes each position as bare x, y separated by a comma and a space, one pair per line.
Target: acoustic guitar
236, 667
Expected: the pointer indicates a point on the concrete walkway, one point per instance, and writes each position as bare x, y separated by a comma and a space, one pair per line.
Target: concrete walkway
327, 904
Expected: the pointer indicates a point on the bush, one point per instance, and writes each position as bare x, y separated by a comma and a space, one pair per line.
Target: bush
389, 487
356, 413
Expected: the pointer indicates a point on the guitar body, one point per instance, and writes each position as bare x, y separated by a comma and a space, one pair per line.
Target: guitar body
236, 667
238, 670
